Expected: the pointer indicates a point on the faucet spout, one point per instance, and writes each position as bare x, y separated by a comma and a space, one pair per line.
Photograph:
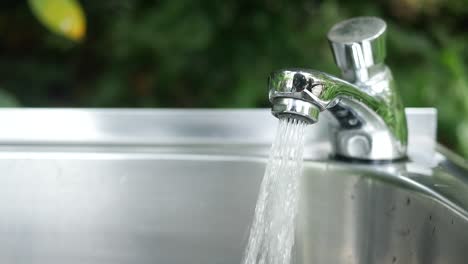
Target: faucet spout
322, 90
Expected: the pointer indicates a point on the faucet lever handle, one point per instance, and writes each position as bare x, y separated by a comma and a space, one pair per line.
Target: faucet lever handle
358, 43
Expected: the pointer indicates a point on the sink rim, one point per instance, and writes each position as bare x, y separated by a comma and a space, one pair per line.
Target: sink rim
63, 128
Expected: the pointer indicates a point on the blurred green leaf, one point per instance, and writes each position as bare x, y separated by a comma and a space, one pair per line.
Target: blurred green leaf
462, 133
64, 17
7, 100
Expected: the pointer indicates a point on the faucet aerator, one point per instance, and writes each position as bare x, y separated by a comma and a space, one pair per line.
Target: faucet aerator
284, 107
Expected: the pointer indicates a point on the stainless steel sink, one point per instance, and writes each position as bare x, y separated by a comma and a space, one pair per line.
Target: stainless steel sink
180, 186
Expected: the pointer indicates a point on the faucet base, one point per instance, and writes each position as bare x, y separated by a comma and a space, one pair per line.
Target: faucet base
339, 157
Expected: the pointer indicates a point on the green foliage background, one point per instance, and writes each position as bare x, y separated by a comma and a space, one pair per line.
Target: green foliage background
185, 53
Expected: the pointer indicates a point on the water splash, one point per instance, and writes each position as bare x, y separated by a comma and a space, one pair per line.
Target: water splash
272, 231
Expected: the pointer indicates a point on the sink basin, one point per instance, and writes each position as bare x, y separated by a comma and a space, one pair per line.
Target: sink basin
357, 214
180, 186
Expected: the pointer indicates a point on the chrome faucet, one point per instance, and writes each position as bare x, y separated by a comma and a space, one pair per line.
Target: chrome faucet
370, 122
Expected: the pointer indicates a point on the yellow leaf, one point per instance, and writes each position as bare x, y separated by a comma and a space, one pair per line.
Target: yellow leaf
65, 17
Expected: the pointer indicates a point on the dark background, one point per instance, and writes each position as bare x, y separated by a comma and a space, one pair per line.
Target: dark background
185, 53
